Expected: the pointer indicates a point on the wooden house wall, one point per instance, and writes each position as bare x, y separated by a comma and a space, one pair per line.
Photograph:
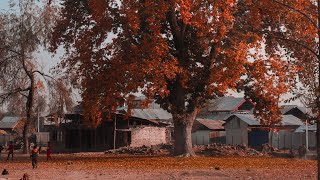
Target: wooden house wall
236, 132
205, 137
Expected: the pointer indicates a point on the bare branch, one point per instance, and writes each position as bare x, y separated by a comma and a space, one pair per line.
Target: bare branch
23, 95
298, 43
42, 74
5, 96
298, 11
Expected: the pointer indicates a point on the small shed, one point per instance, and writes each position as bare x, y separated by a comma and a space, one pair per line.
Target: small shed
208, 132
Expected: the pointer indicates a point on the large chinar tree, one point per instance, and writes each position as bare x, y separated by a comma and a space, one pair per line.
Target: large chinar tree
178, 52
294, 26
23, 29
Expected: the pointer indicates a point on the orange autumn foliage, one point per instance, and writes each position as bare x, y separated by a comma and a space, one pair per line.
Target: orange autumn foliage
178, 52
267, 81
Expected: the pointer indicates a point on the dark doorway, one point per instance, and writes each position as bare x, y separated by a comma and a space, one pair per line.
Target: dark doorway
257, 138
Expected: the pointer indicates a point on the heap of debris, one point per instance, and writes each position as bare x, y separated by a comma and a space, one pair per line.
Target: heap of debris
206, 150
226, 150
154, 149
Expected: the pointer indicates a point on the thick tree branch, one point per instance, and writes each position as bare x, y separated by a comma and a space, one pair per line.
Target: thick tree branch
174, 24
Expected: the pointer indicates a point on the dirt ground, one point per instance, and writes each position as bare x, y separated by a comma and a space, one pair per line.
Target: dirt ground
101, 166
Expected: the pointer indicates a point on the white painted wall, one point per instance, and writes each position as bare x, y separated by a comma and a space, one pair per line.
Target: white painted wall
148, 136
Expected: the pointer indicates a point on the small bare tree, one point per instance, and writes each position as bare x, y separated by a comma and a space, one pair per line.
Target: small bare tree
23, 30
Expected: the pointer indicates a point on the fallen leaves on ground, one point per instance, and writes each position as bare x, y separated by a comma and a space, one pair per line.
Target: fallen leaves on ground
82, 165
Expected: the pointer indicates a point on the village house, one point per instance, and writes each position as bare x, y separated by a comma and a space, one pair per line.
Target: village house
140, 127
223, 107
208, 127
246, 129
228, 105
295, 110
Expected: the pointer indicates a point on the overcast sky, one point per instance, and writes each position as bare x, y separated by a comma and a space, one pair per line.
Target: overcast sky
4, 4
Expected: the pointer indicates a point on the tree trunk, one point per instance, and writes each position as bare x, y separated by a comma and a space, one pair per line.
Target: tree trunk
182, 134
29, 106
271, 136
318, 143
318, 95
25, 138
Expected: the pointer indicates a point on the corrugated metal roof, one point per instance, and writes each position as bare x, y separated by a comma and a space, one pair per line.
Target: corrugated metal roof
9, 122
285, 108
302, 128
212, 124
216, 116
249, 119
312, 127
151, 114
225, 103
287, 120
291, 120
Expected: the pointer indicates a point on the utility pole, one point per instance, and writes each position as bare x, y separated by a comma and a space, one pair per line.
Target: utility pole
307, 136
38, 118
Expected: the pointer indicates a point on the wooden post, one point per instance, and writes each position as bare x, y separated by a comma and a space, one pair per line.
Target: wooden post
203, 140
196, 140
104, 135
284, 142
115, 132
80, 138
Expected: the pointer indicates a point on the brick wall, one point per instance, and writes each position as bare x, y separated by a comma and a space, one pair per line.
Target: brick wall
148, 136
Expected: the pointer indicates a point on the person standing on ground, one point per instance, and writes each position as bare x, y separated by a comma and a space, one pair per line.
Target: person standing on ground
10, 149
34, 157
49, 152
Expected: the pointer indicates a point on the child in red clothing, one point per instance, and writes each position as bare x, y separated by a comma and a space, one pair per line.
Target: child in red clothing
49, 152
10, 149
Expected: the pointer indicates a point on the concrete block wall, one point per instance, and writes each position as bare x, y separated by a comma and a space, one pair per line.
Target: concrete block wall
148, 136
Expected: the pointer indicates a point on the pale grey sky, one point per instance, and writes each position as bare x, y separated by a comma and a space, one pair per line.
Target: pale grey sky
47, 60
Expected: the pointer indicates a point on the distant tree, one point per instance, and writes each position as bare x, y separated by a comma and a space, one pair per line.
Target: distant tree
60, 97
16, 105
23, 30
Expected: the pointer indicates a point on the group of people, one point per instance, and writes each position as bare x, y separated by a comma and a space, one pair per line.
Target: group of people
34, 153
